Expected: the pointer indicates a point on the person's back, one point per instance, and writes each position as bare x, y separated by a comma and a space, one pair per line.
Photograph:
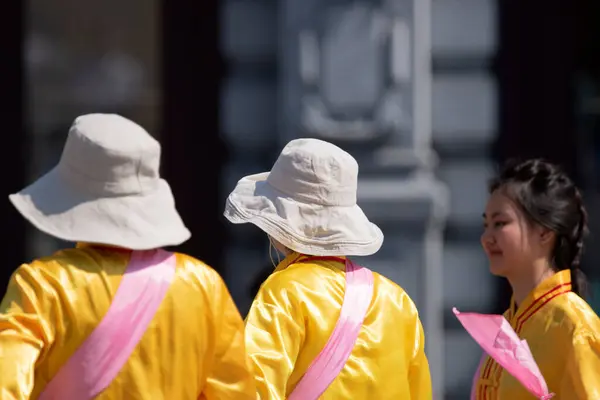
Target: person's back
196, 332
322, 327
388, 360
116, 317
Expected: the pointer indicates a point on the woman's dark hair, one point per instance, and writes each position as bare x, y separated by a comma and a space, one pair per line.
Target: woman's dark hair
549, 198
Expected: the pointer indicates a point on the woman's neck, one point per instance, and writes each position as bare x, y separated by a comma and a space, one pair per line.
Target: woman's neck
527, 282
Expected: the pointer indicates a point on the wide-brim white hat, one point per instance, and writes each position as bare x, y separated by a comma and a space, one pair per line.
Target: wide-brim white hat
106, 189
307, 202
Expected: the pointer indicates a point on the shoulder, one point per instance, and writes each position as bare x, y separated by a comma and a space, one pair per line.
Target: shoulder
301, 277
197, 271
578, 328
45, 277
301, 282
65, 258
187, 262
395, 293
388, 286
295, 278
575, 318
67, 267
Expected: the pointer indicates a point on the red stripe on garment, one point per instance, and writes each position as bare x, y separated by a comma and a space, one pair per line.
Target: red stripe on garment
532, 305
522, 322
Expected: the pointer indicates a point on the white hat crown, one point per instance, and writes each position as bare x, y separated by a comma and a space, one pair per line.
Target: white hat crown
317, 172
110, 155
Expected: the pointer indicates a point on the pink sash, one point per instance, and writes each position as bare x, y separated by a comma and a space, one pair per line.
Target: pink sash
497, 338
328, 364
100, 358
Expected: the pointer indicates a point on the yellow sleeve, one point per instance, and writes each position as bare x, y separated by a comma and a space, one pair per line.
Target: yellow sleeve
274, 335
580, 380
231, 375
25, 331
419, 377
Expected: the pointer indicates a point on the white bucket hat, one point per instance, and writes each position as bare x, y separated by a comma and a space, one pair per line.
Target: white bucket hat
106, 189
307, 202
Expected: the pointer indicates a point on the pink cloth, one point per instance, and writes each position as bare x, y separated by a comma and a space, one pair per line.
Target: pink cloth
498, 339
100, 358
328, 364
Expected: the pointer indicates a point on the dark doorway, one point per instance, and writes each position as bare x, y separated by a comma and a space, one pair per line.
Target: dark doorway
14, 138
537, 65
194, 154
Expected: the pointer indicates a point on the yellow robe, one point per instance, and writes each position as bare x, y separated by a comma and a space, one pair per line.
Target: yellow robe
564, 336
294, 314
193, 349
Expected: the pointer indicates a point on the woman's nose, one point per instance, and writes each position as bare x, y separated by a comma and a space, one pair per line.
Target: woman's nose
487, 237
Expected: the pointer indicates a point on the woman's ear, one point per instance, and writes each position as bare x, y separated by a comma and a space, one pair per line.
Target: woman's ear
547, 236
279, 247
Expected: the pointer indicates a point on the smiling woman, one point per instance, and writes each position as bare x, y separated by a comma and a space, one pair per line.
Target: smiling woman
535, 223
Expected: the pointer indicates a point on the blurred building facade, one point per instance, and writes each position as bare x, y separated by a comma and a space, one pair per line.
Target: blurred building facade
428, 95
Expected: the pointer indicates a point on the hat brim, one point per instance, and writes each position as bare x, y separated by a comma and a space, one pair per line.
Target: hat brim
137, 222
305, 228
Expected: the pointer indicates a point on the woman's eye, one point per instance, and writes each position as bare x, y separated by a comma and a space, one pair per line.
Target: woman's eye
499, 224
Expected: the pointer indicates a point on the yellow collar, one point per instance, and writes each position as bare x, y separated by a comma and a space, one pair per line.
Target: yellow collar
550, 288
294, 258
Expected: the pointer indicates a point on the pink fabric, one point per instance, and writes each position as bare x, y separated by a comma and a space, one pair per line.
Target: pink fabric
100, 358
498, 339
328, 364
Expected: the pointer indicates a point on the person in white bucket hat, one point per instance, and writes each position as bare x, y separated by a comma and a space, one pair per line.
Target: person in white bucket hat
116, 317
322, 327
